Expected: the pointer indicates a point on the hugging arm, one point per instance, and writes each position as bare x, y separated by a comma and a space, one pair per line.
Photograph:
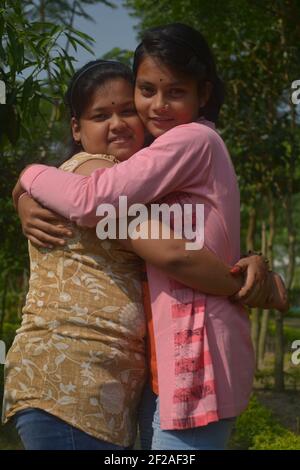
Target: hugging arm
147, 176
198, 269
139, 178
44, 228
203, 270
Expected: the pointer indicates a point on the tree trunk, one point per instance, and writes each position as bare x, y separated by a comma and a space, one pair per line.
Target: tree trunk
279, 336
291, 240
250, 244
265, 314
279, 353
267, 249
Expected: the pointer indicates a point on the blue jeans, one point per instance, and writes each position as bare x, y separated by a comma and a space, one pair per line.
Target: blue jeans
40, 430
214, 436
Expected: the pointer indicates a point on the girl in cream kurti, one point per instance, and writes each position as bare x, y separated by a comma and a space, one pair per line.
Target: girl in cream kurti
79, 353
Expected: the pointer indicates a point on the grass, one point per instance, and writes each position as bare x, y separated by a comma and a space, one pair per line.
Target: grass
258, 428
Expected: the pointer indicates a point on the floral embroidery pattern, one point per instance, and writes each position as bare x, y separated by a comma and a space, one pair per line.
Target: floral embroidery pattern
79, 353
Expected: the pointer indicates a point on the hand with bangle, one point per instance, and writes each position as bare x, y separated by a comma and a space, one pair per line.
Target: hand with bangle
263, 288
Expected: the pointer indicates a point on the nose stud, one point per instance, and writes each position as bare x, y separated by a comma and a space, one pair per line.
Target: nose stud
165, 107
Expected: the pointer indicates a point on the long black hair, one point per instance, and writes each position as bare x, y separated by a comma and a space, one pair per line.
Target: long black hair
85, 82
184, 50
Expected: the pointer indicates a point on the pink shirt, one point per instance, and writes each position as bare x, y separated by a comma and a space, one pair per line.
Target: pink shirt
193, 160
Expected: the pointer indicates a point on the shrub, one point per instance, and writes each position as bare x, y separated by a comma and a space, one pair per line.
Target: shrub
287, 441
257, 429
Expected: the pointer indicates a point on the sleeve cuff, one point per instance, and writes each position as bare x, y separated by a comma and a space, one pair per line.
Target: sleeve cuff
29, 175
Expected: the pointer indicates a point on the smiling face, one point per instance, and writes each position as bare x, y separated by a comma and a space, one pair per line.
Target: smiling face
165, 99
109, 123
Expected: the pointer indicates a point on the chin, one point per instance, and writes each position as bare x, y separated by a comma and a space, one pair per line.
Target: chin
124, 156
157, 132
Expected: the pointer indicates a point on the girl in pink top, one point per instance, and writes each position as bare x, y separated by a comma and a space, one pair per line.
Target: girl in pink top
204, 353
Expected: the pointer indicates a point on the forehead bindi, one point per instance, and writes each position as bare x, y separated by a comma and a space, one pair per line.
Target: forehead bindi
106, 106
152, 71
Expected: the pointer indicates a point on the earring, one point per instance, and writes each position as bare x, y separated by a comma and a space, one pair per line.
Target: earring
77, 142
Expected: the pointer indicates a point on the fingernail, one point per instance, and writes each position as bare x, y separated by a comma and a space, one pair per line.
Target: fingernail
70, 234
50, 246
62, 242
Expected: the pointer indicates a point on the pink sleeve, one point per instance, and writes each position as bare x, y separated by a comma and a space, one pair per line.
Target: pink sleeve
30, 174
173, 162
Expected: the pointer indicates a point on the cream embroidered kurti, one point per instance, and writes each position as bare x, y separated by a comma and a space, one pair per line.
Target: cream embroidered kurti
79, 353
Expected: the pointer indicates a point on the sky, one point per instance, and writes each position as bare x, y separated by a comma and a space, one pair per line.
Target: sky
112, 28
